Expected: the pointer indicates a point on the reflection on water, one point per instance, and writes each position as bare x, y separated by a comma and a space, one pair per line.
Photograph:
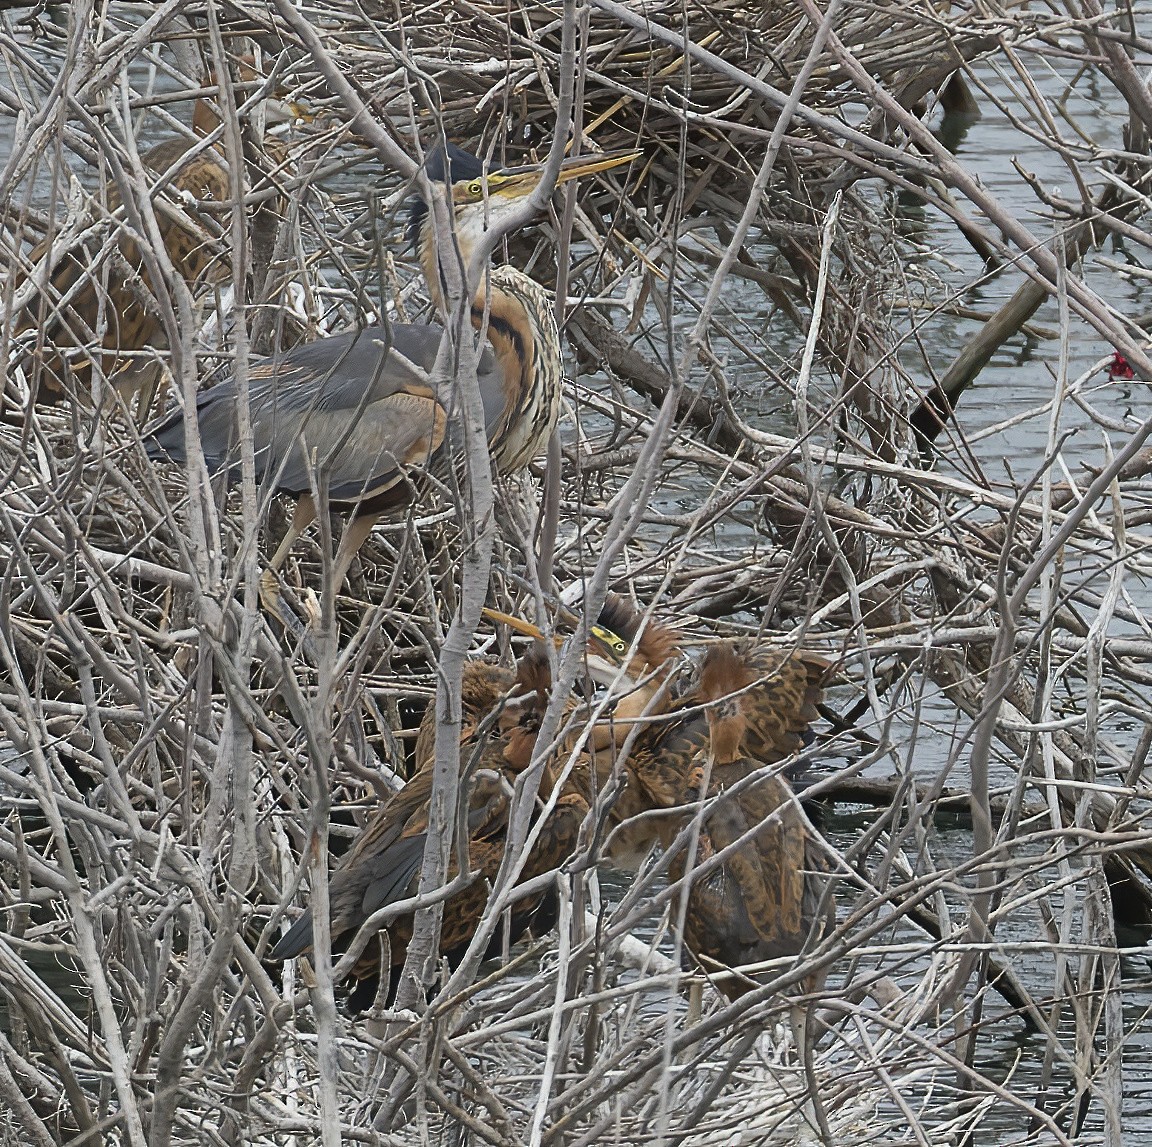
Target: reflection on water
1022, 372
1021, 377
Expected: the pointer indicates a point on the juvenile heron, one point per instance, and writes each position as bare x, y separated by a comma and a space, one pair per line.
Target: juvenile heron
751, 707
663, 748
626, 651
501, 716
660, 752
357, 412
193, 184
67, 313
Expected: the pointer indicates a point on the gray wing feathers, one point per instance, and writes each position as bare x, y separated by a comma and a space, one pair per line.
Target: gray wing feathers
327, 404
358, 891
297, 939
392, 873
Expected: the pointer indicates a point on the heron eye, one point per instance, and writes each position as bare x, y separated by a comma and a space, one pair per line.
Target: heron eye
614, 642
476, 188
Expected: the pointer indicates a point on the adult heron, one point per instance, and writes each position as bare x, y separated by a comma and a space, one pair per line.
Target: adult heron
358, 413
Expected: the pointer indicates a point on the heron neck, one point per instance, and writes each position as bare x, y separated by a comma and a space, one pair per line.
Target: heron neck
493, 309
505, 323
430, 264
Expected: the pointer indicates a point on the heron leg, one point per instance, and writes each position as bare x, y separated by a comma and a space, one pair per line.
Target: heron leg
141, 381
355, 535
302, 517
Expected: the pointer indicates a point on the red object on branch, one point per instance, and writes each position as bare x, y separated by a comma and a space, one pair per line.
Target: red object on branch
1120, 368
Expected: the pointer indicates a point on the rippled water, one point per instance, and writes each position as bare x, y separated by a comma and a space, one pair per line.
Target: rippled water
1020, 378
1021, 374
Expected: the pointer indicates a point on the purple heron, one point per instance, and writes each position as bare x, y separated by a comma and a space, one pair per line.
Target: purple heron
501, 711
357, 412
114, 289
750, 707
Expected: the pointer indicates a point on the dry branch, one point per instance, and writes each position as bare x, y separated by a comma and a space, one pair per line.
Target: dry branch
174, 769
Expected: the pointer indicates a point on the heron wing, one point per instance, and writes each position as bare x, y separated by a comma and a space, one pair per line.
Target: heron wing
362, 455
297, 939
779, 709
360, 405
392, 874
352, 883
717, 928
669, 768
768, 870
387, 877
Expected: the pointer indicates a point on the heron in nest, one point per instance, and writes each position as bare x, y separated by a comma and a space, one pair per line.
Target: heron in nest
358, 413
501, 714
662, 748
81, 296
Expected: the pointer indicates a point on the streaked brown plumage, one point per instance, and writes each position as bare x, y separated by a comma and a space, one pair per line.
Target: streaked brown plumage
660, 752
66, 315
762, 902
638, 682
750, 707
119, 288
501, 711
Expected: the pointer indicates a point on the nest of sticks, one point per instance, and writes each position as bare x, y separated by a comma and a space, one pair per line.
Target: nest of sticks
162, 739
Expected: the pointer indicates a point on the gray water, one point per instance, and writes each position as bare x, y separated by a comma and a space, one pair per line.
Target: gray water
1020, 378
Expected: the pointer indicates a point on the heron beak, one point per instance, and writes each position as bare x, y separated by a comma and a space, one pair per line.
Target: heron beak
576, 166
606, 650
518, 624
517, 181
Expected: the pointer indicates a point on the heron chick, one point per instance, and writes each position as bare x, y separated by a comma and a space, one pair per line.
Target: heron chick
500, 718
100, 308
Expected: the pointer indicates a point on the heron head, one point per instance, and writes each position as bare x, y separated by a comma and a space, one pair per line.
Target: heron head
609, 655
481, 200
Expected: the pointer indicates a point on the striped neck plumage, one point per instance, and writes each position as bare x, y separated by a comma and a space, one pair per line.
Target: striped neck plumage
517, 316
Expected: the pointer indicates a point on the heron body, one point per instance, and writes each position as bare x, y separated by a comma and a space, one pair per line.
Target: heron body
358, 414
661, 753
360, 409
751, 707
762, 902
67, 314
194, 183
501, 710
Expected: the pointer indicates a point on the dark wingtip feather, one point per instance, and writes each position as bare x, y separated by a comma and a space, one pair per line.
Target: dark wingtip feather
297, 940
396, 866
166, 442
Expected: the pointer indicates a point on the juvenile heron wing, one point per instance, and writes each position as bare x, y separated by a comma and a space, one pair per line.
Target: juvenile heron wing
350, 884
